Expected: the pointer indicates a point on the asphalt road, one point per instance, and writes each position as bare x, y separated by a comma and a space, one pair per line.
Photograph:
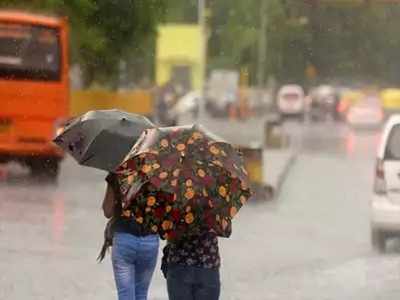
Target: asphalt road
311, 243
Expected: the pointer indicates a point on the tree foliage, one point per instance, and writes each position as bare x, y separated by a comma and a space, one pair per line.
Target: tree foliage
104, 32
358, 42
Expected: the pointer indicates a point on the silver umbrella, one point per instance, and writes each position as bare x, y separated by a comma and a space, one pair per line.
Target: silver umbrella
102, 138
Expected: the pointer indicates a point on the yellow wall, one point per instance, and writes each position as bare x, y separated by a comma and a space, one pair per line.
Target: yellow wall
180, 45
138, 101
391, 99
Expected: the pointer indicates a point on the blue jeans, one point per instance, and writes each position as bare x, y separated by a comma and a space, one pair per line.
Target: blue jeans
134, 259
192, 283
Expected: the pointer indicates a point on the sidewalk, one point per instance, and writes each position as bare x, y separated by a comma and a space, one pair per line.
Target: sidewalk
276, 166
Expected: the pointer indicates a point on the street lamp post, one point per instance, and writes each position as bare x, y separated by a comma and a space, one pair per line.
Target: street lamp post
202, 23
262, 45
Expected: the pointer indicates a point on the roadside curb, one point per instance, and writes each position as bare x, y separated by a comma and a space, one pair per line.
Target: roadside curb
282, 177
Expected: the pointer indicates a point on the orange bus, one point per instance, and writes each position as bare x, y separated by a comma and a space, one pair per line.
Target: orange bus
34, 89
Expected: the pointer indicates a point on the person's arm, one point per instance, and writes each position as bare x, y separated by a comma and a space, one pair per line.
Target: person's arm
109, 202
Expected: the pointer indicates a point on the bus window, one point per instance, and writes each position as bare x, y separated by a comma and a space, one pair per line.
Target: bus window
29, 52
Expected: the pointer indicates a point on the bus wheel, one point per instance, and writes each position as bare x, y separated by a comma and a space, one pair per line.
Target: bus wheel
45, 168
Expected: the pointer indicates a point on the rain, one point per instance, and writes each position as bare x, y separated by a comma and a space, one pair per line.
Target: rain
190, 105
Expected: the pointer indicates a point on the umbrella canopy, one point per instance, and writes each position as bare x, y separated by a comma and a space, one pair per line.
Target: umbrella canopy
102, 138
177, 181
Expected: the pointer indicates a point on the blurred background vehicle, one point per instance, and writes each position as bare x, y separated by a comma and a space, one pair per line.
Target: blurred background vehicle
221, 92
367, 113
347, 98
324, 103
291, 101
385, 204
187, 106
34, 89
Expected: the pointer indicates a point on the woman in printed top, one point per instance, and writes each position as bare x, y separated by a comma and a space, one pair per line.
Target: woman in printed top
191, 267
134, 250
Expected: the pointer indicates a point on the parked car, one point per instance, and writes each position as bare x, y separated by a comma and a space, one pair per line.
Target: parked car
366, 114
291, 101
385, 204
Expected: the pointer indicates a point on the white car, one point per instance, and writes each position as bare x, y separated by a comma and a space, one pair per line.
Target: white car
385, 204
291, 101
368, 114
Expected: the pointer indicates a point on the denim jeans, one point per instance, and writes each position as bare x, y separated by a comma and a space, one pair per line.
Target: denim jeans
192, 283
134, 259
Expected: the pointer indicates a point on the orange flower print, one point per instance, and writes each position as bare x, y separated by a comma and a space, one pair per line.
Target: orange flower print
180, 147
176, 172
201, 173
126, 213
166, 225
189, 193
222, 191
189, 182
189, 218
151, 200
163, 175
243, 199
233, 211
146, 169
164, 143
197, 135
139, 220
214, 150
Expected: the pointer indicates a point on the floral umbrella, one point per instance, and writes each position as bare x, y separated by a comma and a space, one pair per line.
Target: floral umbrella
179, 180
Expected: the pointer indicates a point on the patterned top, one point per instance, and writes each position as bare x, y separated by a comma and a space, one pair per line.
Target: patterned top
197, 251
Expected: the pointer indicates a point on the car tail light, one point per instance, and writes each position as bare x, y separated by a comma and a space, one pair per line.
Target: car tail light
380, 183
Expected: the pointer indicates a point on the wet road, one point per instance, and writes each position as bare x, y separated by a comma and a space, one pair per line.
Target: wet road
312, 243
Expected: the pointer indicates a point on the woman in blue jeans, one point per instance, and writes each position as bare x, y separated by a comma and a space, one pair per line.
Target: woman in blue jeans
191, 266
134, 250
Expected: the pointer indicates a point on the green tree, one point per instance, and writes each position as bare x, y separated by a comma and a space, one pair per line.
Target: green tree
104, 32
346, 41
